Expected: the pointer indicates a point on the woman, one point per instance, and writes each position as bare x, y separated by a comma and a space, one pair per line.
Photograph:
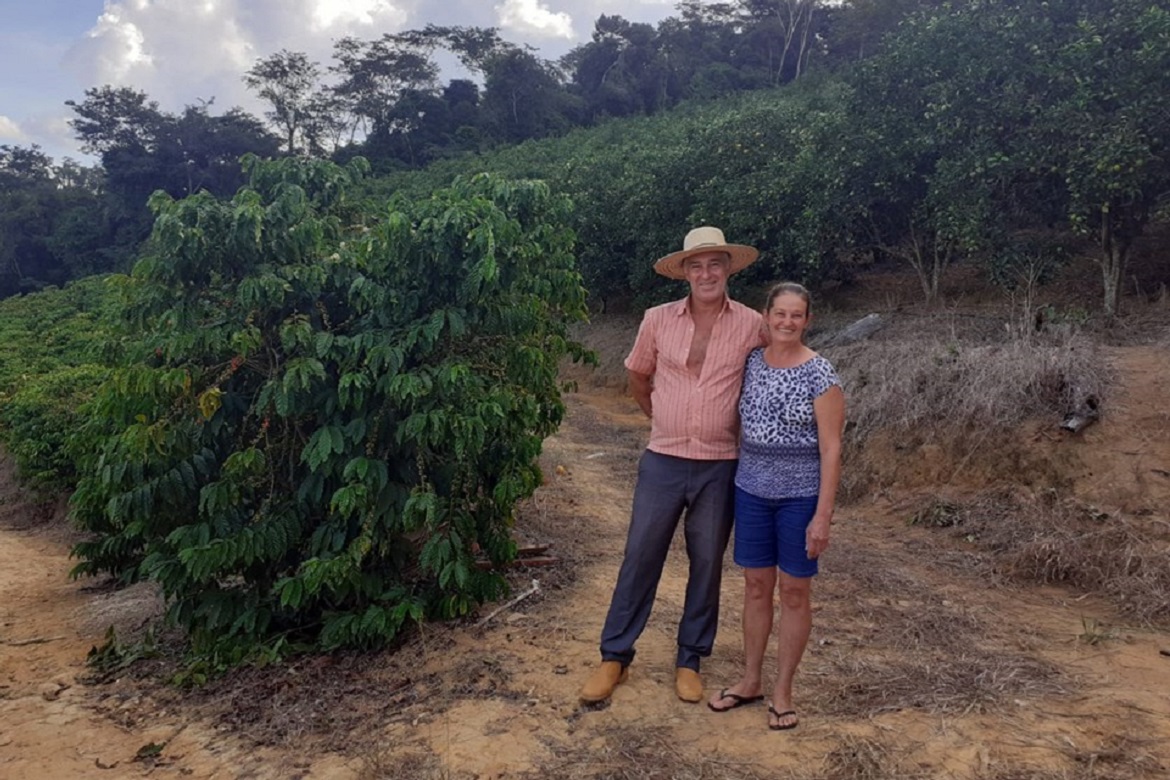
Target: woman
792, 412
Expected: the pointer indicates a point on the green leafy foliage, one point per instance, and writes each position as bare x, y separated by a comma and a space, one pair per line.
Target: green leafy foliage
331, 405
55, 350
974, 125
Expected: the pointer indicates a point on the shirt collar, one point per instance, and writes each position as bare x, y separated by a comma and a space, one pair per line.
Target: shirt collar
684, 306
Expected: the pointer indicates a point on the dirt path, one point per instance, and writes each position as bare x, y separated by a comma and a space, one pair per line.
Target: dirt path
922, 663
1127, 456
49, 729
53, 725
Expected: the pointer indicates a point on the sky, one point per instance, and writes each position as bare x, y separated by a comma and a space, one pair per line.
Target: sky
183, 51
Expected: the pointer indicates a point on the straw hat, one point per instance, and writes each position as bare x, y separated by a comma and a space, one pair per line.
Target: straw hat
705, 239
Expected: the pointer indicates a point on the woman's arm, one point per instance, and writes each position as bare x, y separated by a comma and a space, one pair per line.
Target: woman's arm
829, 411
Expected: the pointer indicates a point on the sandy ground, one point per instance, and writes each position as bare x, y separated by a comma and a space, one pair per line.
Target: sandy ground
923, 662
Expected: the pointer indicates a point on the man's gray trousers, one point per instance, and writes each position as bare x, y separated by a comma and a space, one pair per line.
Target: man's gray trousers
667, 486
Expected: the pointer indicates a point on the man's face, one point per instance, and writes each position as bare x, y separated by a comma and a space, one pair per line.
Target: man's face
707, 275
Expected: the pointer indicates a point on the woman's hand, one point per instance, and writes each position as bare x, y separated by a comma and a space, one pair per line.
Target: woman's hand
816, 538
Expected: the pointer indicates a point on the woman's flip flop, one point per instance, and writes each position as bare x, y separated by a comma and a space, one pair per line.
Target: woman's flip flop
780, 715
736, 701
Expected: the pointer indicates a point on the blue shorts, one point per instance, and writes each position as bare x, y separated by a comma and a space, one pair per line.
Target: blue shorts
770, 532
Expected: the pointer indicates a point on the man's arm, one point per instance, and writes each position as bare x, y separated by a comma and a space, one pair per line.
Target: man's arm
640, 387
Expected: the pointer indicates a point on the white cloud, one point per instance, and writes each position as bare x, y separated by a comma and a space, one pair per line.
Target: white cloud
175, 50
52, 131
346, 13
179, 51
10, 130
533, 17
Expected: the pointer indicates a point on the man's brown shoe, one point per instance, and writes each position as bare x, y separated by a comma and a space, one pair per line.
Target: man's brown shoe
688, 684
604, 679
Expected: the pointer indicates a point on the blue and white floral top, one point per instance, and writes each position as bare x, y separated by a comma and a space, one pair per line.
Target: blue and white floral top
778, 452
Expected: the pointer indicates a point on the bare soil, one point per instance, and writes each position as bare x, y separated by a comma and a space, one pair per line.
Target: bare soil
924, 662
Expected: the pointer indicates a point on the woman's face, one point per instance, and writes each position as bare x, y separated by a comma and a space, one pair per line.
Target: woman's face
788, 318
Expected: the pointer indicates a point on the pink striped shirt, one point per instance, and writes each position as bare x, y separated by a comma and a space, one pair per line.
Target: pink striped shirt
695, 417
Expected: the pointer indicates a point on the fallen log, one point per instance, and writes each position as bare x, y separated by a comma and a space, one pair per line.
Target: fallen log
36, 640
542, 560
528, 555
850, 334
1082, 417
534, 589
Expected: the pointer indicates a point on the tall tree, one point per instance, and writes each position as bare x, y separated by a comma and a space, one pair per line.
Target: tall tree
325, 124
197, 150
474, 46
115, 117
288, 81
696, 45
780, 32
620, 71
143, 149
524, 97
375, 75
38, 210
1108, 130
855, 28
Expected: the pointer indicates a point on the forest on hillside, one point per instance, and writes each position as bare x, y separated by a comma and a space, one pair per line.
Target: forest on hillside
1015, 133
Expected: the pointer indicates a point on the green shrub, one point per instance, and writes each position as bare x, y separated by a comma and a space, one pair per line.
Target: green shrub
54, 352
54, 327
332, 406
41, 416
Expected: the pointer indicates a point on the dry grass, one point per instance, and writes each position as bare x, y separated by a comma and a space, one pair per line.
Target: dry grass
964, 395
379, 762
899, 642
1042, 540
645, 753
880, 602
860, 758
928, 626
860, 686
928, 383
1118, 757
320, 701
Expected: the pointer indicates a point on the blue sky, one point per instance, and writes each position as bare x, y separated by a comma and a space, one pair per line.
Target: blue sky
182, 51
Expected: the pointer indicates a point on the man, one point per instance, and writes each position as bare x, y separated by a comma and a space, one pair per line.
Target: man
685, 372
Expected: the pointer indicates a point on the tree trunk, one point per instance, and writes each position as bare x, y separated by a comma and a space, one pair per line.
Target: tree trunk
926, 268
1114, 253
940, 258
802, 56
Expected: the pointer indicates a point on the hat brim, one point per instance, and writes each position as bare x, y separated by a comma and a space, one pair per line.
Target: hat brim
671, 266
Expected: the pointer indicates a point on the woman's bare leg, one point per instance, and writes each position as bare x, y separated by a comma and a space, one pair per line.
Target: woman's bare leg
758, 586
795, 625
